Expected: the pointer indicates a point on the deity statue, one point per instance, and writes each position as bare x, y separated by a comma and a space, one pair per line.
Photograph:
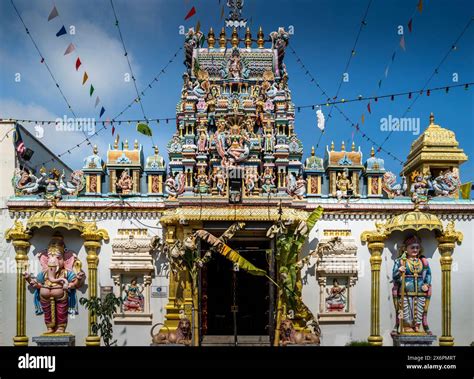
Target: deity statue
251, 179
55, 286
202, 142
220, 181
268, 180
202, 182
235, 67
391, 187
52, 185
411, 288
175, 184
124, 183
133, 300
419, 188
447, 183
343, 184
296, 186
239, 149
269, 141
336, 300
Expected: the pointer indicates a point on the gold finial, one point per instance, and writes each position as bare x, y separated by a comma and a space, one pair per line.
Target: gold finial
260, 38
248, 39
235, 38
211, 40
343, 146
42, 170
372, 152
332, 145
353, 147
156, 150
312, 151
135, 145
95, 150
116, 142
431, 118
222, 39
125, 146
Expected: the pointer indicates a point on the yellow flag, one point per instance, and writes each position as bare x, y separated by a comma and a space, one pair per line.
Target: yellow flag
84, 78
363, 118
466, 190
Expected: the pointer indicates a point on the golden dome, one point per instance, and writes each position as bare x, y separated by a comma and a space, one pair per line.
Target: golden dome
55, 218
435, 146
414, 220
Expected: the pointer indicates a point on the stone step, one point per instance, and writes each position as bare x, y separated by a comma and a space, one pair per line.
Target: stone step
241, 341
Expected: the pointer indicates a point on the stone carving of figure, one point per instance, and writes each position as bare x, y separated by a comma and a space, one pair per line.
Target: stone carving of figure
124, 183
336, 300
375, 186
268, 180
220, 181
411, 288
269, 140
251, 180
296, 186
391, 187
55, 286
419, 189
175, 184
133, 300
202, 142
202, 181
446, 183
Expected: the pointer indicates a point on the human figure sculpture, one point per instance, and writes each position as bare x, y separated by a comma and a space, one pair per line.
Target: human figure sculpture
220, 181
268, 180
55, 286
343, 184
336, 300
411, 288
125, 183
133, 300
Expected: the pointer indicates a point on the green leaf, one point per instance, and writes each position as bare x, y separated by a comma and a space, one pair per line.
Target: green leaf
143, 128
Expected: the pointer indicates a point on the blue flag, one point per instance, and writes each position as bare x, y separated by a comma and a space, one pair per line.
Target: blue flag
61, 32
102, 111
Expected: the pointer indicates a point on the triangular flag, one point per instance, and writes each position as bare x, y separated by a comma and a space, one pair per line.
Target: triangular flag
402, 42
78, 64
144, 129
69, 49
91, 91
386, 71
222, 12
54, 13
380, 83
368, 107
113, 129
410, 25
363, 118
97, 101
393, 56
84, 78
102, 110
466, 190
190, 14
61, 32
420, 6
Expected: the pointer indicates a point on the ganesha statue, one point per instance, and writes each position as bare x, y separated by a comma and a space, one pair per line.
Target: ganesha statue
55, 286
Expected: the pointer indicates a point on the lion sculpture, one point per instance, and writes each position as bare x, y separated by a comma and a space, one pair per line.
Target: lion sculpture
181, 336
289, 335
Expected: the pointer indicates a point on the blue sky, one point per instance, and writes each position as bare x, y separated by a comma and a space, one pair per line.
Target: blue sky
324, 33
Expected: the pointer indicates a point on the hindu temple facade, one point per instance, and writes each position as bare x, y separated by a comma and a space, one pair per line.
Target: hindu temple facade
198, 237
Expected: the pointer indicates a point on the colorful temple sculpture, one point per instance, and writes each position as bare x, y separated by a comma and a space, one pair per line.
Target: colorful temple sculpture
194, 245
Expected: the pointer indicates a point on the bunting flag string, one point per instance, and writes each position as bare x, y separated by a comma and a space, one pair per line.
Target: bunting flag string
71, 48
452, 48
336, 106
129, 64
392, 96
351, 55
52, 15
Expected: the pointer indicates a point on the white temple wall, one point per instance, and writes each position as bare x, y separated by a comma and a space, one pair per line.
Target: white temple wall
462, 284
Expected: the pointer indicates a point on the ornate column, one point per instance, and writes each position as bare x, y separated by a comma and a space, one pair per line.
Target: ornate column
92, 241
375, 242
20, 237
446, 244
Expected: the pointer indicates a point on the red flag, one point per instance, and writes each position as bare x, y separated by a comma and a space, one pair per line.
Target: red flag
190, 14
78, 63
368, 108
113, 129
410, 24
420, 6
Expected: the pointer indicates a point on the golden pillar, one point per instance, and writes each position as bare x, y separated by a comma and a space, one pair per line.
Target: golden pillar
20, 237
446, 244
92, 241
375, 242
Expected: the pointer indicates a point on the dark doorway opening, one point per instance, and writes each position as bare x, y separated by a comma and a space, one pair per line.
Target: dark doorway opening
249, 293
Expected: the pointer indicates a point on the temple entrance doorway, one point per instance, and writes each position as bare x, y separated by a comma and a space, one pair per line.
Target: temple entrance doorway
236, 305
